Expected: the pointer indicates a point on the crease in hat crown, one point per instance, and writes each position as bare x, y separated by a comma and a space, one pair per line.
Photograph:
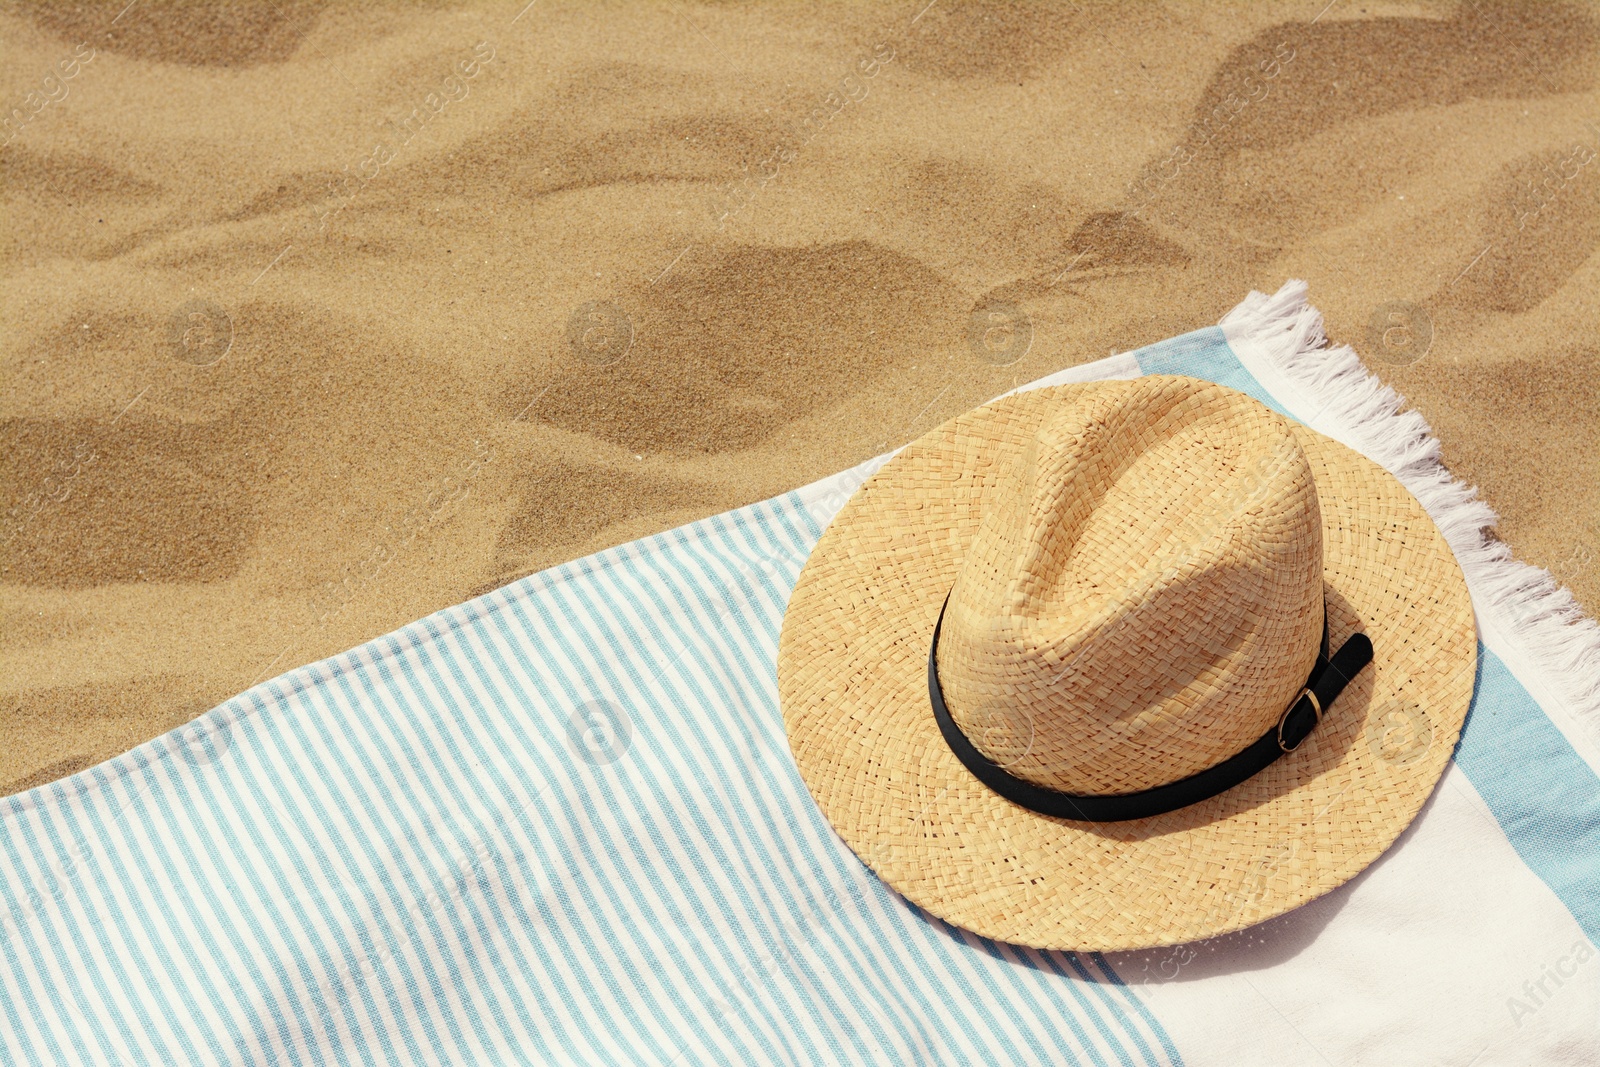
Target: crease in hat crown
1144, 598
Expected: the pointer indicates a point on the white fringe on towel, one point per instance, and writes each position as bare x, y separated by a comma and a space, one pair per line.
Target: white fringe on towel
1533, 610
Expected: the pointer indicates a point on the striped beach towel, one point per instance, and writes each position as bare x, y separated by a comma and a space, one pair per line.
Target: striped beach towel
559, 824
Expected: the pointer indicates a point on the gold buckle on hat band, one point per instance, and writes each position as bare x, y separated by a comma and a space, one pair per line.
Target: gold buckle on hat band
1316, 707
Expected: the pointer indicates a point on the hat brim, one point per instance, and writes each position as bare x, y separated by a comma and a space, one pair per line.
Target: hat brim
852, 678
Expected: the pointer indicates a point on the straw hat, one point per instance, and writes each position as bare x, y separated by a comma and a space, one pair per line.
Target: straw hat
1047, 670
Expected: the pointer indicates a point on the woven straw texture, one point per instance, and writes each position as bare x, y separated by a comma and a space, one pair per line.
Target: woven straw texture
1138, 564
1143, 596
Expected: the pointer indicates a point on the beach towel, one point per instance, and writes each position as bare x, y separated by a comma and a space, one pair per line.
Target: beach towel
559, 823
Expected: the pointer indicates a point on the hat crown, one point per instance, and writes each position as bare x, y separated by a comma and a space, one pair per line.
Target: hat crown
1144, 599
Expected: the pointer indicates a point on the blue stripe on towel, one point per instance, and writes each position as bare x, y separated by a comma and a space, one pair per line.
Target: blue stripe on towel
1543, 795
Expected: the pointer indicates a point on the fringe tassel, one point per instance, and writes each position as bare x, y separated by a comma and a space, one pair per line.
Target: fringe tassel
1528, 605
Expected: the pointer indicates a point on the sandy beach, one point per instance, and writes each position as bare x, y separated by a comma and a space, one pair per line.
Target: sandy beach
319, 318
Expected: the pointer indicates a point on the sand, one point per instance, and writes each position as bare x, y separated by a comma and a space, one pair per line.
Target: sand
319, 318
